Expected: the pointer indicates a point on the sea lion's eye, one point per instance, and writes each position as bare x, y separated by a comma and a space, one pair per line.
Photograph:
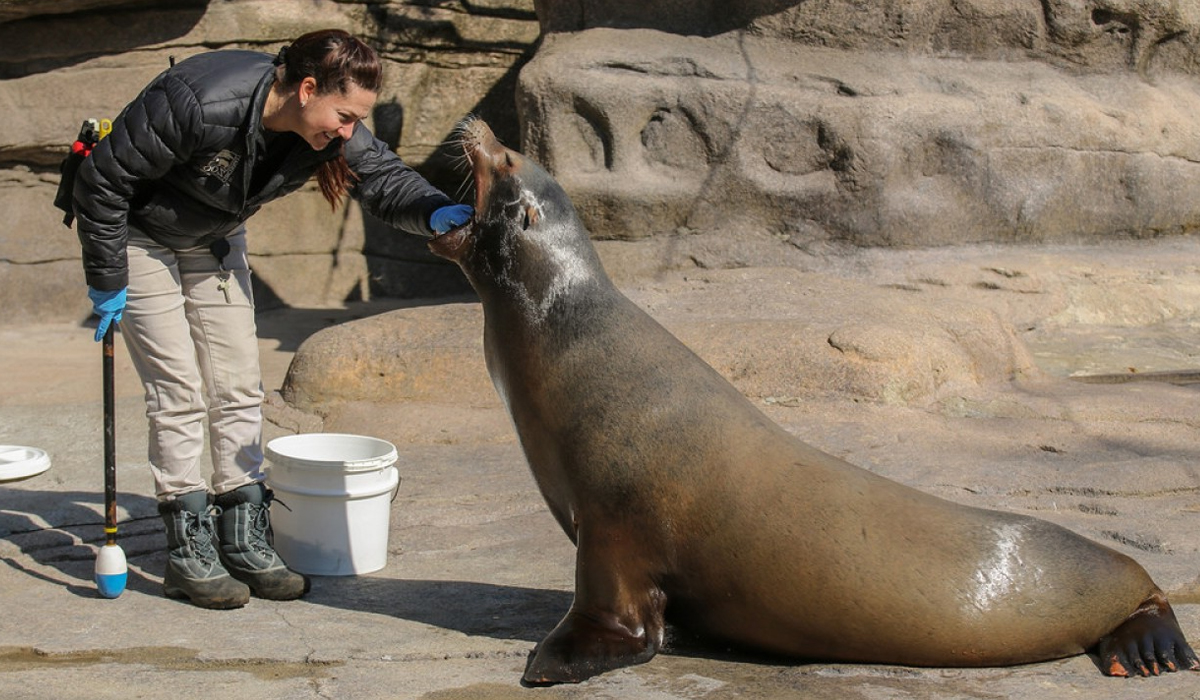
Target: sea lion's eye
531, 217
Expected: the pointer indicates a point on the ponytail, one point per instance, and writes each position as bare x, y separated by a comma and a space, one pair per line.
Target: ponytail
334, 177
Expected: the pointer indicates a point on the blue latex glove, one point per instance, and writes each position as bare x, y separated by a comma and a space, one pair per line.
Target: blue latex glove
108, 306
453, 216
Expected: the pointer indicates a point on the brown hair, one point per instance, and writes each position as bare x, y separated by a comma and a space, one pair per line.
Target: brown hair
335, 59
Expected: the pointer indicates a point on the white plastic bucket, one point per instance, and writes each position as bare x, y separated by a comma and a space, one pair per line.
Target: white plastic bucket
333, 501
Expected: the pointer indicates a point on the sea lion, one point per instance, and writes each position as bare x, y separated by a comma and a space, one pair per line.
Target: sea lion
688, 504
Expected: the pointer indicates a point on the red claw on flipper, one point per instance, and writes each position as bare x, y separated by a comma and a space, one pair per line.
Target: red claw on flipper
1146, 643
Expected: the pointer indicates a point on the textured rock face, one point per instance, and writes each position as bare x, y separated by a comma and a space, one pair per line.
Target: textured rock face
761, 129
1150, 35
900, 122
62, 62
657, 133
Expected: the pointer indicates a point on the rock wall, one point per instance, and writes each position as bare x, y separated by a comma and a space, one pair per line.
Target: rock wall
745, 133
1146, 35
713, 133
64, 61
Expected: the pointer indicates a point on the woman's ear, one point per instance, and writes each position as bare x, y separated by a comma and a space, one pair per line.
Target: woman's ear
308, 88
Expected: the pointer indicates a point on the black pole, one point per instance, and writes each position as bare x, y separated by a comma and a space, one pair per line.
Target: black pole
110, 442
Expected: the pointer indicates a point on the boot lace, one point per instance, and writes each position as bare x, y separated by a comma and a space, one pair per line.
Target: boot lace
202, 534
258, 531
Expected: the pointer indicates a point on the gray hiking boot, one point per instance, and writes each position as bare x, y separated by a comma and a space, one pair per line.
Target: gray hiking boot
244, 529
194, 568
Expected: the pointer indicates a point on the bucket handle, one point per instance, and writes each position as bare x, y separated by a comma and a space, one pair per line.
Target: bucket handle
396, 488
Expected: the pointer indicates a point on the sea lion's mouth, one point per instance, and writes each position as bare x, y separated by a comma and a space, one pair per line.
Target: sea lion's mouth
465, 228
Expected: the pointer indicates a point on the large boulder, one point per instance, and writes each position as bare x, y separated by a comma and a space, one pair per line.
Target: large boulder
778, 334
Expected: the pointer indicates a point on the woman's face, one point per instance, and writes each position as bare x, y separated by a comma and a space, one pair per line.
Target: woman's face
325, 117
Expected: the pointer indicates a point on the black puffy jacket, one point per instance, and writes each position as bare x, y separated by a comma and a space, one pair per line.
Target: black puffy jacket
177, 166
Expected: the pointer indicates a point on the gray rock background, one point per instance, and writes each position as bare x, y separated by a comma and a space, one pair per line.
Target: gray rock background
882, 124
1146, 35
64, 61
719, 134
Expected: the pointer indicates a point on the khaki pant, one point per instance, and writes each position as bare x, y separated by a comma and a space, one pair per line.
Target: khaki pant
196, 353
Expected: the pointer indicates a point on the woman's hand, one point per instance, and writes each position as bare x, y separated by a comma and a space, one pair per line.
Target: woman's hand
108, 306
453, 216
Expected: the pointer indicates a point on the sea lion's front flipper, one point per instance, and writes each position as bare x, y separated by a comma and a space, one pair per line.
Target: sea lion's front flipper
616, 619
1147, 643
583, 645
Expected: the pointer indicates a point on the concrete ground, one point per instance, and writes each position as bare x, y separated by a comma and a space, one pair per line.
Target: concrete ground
478, 571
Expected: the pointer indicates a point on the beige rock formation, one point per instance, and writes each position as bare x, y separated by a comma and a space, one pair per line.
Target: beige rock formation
891, 123
62, 62
762, 133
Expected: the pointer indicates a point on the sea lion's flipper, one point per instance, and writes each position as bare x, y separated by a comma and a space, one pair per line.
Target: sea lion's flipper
582, 646
616, 619
1147, 643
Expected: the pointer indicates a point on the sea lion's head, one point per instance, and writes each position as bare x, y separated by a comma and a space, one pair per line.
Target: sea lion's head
525, 234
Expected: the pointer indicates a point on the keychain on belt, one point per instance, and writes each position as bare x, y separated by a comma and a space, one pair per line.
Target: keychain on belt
220, 248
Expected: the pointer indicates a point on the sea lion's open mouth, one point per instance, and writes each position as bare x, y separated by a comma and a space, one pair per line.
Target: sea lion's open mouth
458, 230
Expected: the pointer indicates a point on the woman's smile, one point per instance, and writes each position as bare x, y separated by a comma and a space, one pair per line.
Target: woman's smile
333, 115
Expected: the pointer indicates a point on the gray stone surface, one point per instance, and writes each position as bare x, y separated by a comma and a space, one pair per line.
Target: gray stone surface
739, 132
1144, 35
942, 368
741, 136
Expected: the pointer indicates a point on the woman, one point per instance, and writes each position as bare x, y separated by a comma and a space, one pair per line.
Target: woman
160, 205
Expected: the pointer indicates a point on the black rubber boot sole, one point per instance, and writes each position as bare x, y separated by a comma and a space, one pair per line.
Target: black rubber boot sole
278, 584
224, 593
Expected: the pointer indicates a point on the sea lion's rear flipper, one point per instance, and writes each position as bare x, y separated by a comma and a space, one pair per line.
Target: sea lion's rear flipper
1147, 643
615, 621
